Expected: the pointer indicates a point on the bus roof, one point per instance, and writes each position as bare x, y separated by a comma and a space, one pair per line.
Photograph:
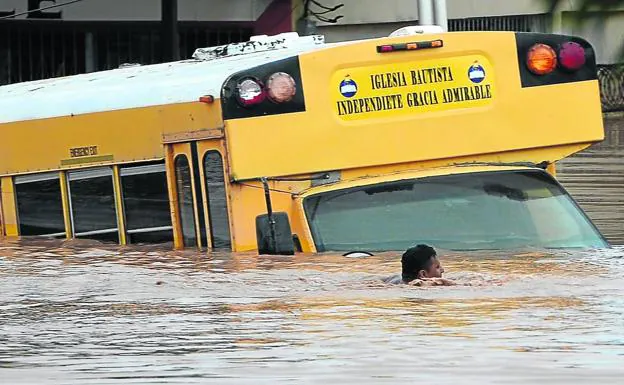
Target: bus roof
149, 85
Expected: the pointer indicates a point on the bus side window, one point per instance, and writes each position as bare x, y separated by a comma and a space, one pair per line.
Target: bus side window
217, 200
39, 205
146, 203
92, 200
185, 200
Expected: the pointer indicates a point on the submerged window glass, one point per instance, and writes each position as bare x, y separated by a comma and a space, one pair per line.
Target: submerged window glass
40, 205
217, 200
93, 204
146, 204
185, 200
493, 210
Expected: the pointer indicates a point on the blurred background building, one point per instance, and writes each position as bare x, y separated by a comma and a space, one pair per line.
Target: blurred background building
374, 18
77, 36
94, 35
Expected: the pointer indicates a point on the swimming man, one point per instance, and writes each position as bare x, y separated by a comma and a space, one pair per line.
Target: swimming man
420, 267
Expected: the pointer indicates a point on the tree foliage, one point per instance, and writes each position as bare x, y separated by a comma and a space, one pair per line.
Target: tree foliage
585, 6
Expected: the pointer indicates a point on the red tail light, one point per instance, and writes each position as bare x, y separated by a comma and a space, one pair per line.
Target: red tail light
571, 56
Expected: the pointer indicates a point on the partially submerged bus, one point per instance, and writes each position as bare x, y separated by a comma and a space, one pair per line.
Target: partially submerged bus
286, 143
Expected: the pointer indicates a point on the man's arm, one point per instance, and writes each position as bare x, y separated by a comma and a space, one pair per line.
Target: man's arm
432, 282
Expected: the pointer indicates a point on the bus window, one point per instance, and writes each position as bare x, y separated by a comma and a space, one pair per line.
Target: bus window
146, 204
487, 210
39, 205
217, 200
185, 200
93, 204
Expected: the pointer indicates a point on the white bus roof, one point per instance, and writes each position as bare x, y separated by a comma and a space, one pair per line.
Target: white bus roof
150, 85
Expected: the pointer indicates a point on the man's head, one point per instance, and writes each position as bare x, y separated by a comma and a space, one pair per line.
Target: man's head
420, 261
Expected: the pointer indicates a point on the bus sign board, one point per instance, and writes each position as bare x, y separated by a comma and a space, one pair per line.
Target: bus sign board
412, 87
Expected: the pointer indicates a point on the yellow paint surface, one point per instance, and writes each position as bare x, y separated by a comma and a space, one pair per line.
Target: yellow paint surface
514, 120
9, 211
101, 138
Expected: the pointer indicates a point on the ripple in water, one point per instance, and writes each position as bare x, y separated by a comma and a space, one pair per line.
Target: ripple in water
102, 315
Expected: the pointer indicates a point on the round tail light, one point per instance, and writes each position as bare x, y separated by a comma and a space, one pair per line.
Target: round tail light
541, 59
572, 56
281, 87
250, 92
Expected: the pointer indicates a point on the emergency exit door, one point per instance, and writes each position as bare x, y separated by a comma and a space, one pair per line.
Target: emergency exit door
199, 194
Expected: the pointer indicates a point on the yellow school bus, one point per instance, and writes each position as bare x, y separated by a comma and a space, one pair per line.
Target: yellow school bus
286, 143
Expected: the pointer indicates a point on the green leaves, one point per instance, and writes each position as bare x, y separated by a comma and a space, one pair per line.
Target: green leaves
584, 6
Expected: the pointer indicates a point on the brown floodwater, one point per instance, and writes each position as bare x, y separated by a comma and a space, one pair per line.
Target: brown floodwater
80, 312
74, 314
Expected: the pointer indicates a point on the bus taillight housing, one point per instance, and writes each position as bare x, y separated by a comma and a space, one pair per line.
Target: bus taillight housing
546, 59
268, 89
542, 59
280, 87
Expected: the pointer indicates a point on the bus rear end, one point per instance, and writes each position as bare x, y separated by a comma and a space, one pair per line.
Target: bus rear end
445, 138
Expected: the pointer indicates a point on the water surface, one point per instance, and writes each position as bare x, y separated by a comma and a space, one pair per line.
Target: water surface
102, 315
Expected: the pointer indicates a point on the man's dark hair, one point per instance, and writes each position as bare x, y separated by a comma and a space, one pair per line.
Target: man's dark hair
415, 259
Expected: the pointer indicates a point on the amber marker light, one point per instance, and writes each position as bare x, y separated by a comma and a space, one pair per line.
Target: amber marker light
541, 59
281, 87
416, 45
208, 99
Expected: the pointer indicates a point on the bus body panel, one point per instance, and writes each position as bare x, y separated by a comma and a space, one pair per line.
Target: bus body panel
320, 139
248, 199
100, 138
9, 209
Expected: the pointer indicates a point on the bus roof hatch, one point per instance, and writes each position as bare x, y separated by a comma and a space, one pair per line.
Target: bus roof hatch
259, 43
417, 30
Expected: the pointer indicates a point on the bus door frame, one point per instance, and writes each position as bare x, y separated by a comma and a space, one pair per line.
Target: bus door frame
203, 147
2, 232
194, 147
8, 205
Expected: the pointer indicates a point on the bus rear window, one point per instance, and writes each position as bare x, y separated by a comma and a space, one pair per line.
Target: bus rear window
486, 210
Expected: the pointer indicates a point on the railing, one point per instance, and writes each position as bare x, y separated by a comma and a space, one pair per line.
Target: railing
611, 78
32, 50
517, 23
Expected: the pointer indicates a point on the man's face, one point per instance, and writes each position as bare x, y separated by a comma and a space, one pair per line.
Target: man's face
435, 270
